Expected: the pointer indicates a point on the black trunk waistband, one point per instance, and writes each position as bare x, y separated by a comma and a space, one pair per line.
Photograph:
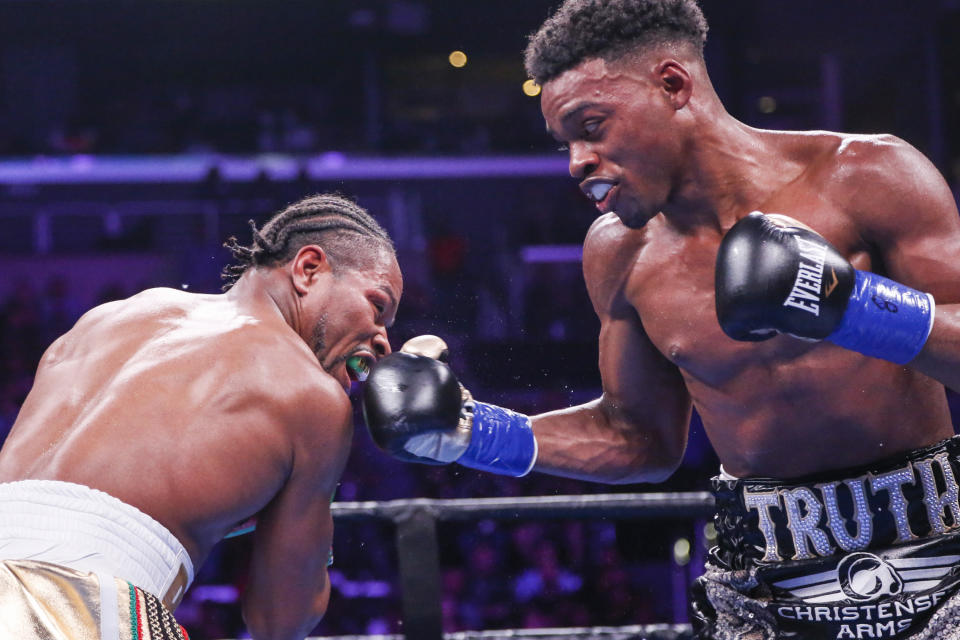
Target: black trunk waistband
767, 522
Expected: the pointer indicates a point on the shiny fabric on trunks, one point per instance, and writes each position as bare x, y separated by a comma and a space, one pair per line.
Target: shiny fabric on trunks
44, 601
872, 552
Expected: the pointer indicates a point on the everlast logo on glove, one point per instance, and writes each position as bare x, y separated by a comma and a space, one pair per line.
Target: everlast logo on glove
766, 269
806, 288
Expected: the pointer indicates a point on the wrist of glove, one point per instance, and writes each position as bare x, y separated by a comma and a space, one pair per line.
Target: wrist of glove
885, 319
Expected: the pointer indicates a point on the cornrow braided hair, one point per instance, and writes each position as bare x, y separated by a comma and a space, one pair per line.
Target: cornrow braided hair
342, 228
582, 29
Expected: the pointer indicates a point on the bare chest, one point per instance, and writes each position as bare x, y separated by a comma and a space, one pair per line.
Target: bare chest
672, 289
674, 297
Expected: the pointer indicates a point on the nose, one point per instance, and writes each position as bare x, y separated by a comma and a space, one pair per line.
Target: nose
583, 161
381, 344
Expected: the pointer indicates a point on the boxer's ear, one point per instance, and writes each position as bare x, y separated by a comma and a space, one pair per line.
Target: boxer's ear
676, 81
310, 263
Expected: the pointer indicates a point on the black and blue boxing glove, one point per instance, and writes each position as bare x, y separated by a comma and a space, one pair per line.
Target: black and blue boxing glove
776, 276
416, 410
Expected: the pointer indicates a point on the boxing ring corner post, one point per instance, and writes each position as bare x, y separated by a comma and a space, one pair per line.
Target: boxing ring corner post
418, 551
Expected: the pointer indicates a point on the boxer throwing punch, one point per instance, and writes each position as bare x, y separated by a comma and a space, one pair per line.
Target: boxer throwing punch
158, 423
815, 342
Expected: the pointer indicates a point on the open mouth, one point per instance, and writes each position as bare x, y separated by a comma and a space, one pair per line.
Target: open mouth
358, 367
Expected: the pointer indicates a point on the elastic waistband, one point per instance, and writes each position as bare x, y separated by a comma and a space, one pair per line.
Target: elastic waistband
895, 501
89, 530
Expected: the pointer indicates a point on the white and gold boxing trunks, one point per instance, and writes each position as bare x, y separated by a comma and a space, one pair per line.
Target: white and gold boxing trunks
76, 563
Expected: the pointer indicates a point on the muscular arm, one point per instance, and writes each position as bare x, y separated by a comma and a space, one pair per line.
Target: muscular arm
289, 586
637, 430
909, 214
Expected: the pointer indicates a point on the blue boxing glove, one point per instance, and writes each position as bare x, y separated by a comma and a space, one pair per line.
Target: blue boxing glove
416, 410
775, 275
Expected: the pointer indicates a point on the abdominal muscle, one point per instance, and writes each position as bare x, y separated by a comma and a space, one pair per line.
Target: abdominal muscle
826, 409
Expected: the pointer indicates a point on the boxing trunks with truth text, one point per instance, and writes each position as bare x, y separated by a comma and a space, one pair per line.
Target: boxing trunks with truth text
872, 552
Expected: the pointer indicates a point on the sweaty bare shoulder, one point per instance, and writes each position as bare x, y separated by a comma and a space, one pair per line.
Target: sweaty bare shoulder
322, 430
296, 419
274, 363
901, 205
883, 183
609, 252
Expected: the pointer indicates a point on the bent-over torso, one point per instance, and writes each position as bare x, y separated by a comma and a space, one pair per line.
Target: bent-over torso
169, 402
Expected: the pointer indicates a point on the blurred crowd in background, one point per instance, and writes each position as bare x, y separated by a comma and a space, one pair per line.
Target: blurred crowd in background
490, 258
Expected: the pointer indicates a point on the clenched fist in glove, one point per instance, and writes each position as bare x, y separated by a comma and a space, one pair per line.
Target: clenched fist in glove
775, 275
416, 410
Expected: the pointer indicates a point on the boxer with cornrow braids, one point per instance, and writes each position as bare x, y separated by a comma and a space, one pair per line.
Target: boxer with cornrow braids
331, 221
160, 424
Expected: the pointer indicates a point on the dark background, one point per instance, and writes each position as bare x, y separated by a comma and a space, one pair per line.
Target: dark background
137, 135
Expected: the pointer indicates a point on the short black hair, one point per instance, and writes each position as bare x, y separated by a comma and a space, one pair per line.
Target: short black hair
582, 29
339, 226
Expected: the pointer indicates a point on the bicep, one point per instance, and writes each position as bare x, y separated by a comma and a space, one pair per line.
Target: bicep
642, 418
635, 432
288, 578
911, 217
639, 384
919, 241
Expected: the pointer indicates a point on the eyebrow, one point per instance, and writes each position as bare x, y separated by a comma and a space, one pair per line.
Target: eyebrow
569, 116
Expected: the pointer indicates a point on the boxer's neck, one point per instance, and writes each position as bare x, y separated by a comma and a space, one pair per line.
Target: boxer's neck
731, 170
266, 293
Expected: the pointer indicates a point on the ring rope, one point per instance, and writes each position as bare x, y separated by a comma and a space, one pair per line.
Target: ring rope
417, 516
631, 632
603, 505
